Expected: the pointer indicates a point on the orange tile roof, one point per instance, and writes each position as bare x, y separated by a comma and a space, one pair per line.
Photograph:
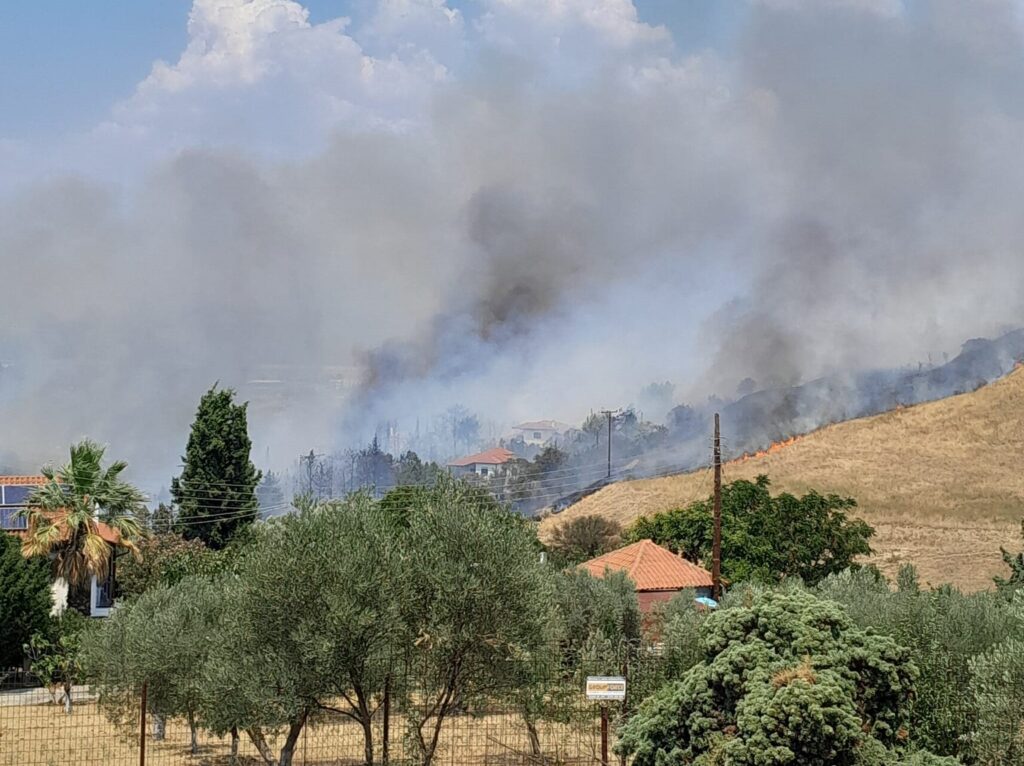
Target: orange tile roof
107, 532
495, 456
651, 567
21, 481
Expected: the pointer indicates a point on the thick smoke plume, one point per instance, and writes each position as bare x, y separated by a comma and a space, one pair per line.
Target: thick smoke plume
533, 210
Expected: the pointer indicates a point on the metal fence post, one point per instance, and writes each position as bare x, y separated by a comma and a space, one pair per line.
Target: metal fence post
604, 734
142, 728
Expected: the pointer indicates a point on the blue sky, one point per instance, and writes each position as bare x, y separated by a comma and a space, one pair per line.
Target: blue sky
63, 63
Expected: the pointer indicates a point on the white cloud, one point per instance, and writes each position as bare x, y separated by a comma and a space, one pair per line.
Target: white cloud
887, 8
422, 24
608, 23
258, 75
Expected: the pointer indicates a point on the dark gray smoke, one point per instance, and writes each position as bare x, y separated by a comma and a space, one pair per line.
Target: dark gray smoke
571, 209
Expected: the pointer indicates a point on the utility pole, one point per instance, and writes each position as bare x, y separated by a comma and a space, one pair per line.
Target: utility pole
716, 545
608, 414
308, 460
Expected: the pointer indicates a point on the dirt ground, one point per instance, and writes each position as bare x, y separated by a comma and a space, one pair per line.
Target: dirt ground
41, 735
941, 482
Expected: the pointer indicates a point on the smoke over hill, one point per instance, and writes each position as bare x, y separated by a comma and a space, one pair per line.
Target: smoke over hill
533, 210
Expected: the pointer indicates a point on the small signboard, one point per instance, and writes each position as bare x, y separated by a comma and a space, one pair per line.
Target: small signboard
606, 688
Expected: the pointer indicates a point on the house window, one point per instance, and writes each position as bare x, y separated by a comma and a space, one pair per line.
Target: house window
105, 588
483, 472
9, 519
536, 434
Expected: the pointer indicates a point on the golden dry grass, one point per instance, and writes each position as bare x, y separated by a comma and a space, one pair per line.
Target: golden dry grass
942, 482
41, 735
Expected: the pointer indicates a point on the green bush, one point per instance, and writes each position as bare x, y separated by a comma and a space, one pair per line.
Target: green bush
25, 600
786, 679
944, 631
54, 655
997, 690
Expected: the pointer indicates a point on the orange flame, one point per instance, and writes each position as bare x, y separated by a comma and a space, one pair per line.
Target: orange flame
775, 447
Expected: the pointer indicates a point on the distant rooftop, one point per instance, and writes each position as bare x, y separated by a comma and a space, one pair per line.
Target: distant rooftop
495, 456
14, 496
542, 425
22, 481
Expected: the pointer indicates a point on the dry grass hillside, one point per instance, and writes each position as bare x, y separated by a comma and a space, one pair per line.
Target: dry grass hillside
942, 482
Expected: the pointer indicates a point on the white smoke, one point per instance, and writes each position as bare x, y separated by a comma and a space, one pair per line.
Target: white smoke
533, 211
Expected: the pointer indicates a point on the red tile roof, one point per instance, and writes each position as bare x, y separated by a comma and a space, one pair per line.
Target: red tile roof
105, 531
22, 481
495, 456
651, 567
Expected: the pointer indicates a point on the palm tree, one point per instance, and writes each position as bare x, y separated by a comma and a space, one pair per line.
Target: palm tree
81, 509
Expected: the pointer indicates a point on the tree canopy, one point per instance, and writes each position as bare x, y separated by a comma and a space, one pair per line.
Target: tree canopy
765, 538
25, 600
216, 491
165, 558
584, 538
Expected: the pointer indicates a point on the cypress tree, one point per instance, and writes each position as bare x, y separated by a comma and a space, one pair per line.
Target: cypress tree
216, 492
25, 600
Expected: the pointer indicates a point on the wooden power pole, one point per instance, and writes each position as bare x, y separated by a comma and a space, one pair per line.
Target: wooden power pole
608, 414
716, 545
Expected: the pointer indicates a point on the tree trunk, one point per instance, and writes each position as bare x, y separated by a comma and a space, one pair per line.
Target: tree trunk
159, 728
234, 746
366, 721
67, 699
288, 750
531, 730
367, 742
193, 734
385, 751
427, 749
260, 742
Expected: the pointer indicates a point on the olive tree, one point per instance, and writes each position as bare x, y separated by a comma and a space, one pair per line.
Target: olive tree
161, 639
478, 603
945, 630
997, 691
316, 621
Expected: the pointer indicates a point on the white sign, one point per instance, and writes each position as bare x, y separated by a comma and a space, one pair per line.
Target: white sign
606, 688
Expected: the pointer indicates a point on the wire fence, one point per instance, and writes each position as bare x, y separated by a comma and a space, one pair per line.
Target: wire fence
546, 720
541, 717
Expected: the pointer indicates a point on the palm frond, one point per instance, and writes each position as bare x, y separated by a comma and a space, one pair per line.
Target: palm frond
96, 552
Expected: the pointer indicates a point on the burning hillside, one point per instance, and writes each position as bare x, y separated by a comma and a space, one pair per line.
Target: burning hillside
771, 450
945, 501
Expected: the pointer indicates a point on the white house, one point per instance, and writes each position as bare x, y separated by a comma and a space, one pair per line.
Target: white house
539, 433
488, 463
